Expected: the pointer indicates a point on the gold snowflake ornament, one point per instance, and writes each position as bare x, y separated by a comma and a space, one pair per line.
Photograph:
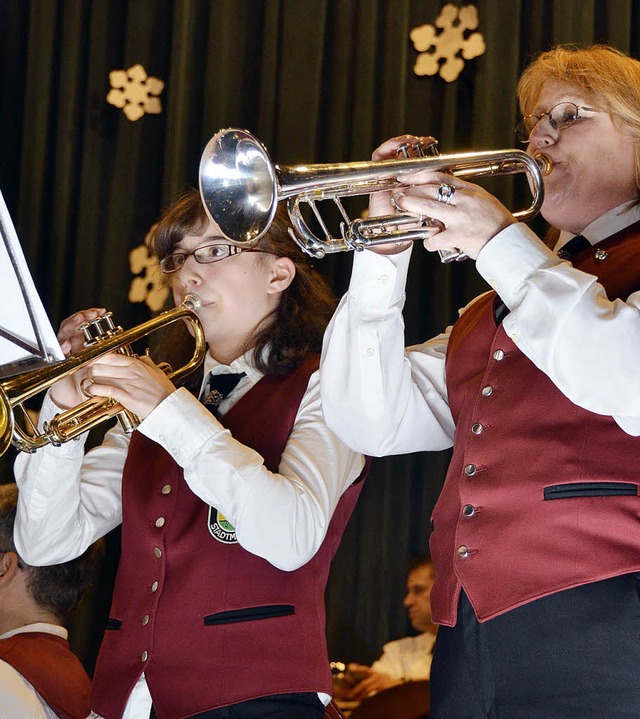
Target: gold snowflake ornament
149, 286
449, 43
135, 92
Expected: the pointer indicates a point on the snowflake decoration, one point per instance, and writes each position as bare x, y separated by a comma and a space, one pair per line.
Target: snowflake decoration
135, 92
150, 287
449, 44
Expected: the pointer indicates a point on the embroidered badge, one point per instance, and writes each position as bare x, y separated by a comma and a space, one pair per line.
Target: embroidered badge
221, 528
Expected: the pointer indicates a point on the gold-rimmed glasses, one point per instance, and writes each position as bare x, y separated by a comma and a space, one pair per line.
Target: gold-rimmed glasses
560, 116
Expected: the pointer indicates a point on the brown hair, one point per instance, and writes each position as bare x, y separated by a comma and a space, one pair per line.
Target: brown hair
57, 588
297, 325
605, 76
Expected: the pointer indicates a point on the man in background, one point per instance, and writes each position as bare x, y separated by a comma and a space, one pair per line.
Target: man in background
409, 658
40, 677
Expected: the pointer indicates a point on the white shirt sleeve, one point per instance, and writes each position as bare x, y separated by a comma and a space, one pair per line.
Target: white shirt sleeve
282, 517
407, 658
67, 499
66, 502
378, 398
562, 320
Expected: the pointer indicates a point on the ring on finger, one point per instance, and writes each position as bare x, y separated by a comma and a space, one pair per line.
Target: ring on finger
84, 386
394, 202
445, 193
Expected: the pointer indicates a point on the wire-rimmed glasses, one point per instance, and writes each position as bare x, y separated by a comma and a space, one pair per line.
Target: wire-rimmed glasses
560, 116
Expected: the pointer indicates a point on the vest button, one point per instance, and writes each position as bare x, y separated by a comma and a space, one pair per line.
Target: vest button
468, 510
470, 470
160, 522
154, 586
144, 656
463, 551
145, 620
487, 391
498, 355
157, 551
166, 489
477, 428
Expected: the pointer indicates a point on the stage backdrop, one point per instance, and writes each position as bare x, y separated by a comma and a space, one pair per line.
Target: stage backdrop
106, 105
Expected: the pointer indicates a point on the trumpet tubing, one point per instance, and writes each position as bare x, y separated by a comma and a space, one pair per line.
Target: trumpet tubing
67, 425
241, 187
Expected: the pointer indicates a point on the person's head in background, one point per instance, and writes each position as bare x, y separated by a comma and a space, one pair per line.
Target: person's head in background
420, 576
38, 594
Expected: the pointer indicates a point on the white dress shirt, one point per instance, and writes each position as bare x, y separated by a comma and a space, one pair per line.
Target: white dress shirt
68, 499
408, 658
18, 698
381, 399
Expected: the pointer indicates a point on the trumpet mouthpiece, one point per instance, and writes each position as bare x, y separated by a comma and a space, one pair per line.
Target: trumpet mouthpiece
544, 162
191, 302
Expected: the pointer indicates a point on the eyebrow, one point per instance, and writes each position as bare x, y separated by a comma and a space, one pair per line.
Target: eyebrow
579, 103
209, 240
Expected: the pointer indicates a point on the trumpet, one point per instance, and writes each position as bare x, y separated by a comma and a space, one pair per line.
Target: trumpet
102, 337
241, 187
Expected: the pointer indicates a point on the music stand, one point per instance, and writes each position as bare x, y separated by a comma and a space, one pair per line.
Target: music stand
27, 339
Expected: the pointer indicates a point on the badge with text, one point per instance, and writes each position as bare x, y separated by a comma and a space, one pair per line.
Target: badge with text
221, 528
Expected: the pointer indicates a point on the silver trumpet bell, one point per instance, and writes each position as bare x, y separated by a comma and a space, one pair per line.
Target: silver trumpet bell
241, 187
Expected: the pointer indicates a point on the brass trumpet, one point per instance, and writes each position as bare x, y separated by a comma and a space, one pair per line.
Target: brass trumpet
240, 188
67, 425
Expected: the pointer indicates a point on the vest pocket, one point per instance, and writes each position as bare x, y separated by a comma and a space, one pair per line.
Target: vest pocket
590, 489
113, 624
249, 614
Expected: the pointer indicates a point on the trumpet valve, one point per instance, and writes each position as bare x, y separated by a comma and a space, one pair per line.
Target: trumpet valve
99, 328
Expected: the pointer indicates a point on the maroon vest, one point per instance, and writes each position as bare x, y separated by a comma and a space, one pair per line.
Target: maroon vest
540, 495
48, 664
209, 623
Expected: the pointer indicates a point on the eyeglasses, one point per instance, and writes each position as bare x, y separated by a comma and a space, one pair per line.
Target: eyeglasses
560, 116
203, 255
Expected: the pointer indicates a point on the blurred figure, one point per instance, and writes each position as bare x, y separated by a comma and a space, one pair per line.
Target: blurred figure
409, 658
40, 678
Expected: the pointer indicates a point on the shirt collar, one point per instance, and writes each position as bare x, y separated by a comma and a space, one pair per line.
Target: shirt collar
239, 365
606, 225
41, 627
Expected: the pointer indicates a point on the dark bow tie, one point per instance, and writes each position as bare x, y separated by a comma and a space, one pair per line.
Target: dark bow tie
218, 387
575, 245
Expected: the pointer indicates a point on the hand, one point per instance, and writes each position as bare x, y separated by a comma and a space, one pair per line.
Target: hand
371, 683
471, 218
66, 393
380, 202
136, 383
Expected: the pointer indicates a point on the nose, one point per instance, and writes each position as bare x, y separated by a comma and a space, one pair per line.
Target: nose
543, 134
408, 600
190, 273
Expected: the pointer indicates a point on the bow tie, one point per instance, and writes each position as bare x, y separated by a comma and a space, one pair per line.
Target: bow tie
218, 387
575, 245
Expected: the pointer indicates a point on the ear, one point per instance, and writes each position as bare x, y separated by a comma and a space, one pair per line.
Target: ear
283, 270
8, 567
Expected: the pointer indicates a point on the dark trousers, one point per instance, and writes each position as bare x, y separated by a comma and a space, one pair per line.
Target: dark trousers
572, 655
280, 706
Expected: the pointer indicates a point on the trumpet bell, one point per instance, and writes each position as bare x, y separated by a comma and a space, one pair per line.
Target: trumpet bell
238, 185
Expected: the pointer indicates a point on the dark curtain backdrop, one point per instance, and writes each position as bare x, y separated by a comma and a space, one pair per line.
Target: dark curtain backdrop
316, 81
